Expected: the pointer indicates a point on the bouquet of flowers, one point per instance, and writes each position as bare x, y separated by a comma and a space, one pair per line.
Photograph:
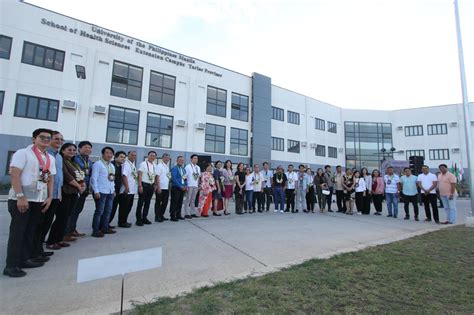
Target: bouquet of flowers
80, 175
195, 175
168, 175
151, 176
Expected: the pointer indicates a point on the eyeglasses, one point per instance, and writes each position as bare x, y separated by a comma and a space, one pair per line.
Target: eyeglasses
45, 138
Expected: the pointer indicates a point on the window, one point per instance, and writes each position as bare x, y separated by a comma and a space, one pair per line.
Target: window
240, 107
332, 152
278, 144
277, 113
320, 124
9, 159
411, 131
439, 154
216, 101
293, 146
293, 118
332, 127
159, 130
437, 129
2, 95
162, 89
5, 46
42, 56
215, 138
321, 150
238, 141
127, 81
122, 126
415, 153
36, 107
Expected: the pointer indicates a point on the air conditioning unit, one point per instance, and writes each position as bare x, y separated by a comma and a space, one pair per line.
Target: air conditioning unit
101, 110
69, 104
181, 123
304, 144
313, 145
453, 124
455, 150
200, 126
400, 128
341, 150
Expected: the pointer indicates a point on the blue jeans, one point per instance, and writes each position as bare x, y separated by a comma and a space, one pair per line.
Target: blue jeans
103, 208
450, 207
392, 203
249, 199
279, 198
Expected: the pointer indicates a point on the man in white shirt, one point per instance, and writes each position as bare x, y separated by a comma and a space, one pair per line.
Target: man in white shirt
32, 172
258, 189
162, 188
301, 188
267, 195
391, 192
193, 172
146, 188
130, 188
103, 185
428, 182
290, 189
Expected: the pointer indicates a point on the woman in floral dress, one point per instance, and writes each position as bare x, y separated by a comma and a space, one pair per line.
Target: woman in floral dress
207, 186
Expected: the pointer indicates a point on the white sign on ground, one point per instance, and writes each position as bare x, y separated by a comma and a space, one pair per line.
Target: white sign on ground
118, 264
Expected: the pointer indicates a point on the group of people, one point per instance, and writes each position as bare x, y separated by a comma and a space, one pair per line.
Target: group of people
52, 179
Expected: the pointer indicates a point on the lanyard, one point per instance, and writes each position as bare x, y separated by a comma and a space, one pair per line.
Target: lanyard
86, 161
43, 166
107, 166
148, 168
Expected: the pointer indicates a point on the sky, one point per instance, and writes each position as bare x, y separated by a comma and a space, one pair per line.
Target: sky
371, 54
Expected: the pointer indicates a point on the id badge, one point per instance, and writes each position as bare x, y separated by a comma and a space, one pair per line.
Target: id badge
40, 185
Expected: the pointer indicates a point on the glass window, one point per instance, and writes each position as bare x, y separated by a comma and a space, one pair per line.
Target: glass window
238, 141
215, 138
122, 126
437, 129
159, 130
293, 118
36, 107
332, 127
240, 107
42, 56
216, 102
320, 124
332, 152
321, 150
414, 153
293, 146
411, 131
5, 46
162, 89
127, 81
439, 154
277, 113
2, 96
278, 144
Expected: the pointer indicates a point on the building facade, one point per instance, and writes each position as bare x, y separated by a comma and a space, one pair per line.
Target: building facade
91, 83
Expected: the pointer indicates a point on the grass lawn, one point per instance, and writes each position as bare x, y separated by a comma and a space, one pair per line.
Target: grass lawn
429, 274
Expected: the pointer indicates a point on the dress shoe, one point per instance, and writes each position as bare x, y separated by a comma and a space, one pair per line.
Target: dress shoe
124, 225
187, 217
31, 264
445, 222
54, 246
174, 220
14, 272
389, 215
109, 232
194, 216
216, 214
416, 219
69, 238
111, 226
97, 234
77, 234
406, 218
64, 244
47, 254
165, 219
427, 220
139, 223
330, 210
159, 220
181, 218
239, 213
40, 259
146, 221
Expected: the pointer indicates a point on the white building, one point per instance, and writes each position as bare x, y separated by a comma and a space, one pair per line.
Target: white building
137, 95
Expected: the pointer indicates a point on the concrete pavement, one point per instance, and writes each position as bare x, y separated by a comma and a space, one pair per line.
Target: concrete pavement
196, 252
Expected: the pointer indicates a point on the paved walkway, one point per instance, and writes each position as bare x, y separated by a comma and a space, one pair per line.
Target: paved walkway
195, 253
